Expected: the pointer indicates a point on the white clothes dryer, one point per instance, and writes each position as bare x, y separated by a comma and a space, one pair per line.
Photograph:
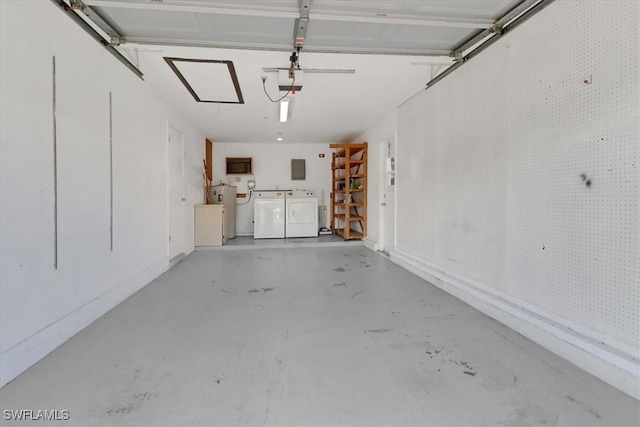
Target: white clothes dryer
302, 213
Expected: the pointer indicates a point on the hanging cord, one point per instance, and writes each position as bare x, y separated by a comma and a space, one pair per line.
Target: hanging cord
294, 66
248, 200
283, 96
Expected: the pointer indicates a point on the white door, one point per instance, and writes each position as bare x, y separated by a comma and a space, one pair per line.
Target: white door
388, 199
176, 193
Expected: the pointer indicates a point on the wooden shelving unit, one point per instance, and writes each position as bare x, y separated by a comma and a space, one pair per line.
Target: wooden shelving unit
349, 190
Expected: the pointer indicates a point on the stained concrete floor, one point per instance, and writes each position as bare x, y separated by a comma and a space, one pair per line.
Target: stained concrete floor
307, 336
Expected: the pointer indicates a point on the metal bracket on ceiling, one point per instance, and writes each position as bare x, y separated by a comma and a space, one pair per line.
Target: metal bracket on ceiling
497, 28
519, 14
294, 63
114, 37
115, 41
302, 23
77, 5
299, 34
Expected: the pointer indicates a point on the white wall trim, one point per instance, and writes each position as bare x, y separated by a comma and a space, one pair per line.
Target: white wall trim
619, 367
26, 353
371, 244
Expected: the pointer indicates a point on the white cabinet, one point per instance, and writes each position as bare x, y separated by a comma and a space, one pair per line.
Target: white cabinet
209, 225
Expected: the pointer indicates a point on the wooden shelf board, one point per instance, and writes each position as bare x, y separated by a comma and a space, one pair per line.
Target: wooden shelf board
353, 234
350, 162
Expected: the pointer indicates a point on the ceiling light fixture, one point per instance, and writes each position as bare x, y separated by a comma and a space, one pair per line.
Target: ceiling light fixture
284, 110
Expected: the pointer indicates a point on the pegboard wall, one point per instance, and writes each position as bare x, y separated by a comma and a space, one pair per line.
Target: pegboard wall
573, 175
523, 174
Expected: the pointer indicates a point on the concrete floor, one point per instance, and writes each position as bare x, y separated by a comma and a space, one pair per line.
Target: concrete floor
311, 335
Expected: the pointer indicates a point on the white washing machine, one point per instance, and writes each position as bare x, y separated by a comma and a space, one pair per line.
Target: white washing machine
302, 213
269, 215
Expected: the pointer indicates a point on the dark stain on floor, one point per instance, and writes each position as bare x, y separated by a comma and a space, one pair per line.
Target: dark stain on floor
378, 331
136, 401
339, 269
471, 370
341, 284
356, 294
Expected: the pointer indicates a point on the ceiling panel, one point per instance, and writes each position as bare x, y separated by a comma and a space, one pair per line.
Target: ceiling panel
356, 36
200, 28
358, 26
416, 38
467, 9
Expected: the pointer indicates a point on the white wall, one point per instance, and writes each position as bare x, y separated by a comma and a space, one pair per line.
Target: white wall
492, 170
41, 307
272, 170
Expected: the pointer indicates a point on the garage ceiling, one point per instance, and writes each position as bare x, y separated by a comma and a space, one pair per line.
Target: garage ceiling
360, 59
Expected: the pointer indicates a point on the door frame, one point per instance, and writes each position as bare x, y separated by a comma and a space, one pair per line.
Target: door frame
388, 207
180, 252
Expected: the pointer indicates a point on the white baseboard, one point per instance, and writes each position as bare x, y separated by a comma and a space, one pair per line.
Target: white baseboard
604, 357
371, 244
28, 352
